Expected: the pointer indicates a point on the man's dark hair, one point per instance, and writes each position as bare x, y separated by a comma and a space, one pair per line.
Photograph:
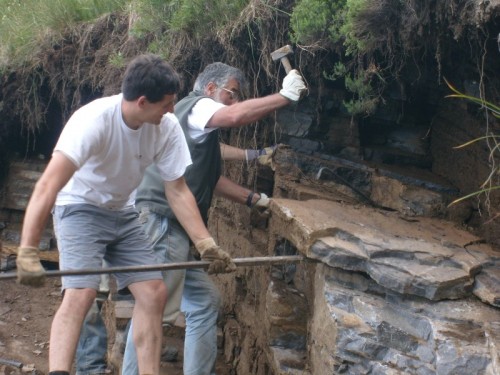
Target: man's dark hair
219, 73
151, 76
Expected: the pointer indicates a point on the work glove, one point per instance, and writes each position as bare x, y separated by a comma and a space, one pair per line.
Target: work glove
263, 203
293, 86
220, 261
29, 269
264, 156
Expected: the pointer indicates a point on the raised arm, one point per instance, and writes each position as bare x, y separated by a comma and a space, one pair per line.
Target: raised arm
248, 111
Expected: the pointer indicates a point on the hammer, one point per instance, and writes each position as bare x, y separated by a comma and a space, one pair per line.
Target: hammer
281, 54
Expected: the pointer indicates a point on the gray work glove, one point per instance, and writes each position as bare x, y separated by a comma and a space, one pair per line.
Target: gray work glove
29, 269
264, 156
220, 261
293, 86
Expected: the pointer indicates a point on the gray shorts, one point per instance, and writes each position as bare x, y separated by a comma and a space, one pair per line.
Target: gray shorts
87, 235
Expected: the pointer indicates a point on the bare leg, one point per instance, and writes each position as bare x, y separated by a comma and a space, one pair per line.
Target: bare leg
66, 327
150, 298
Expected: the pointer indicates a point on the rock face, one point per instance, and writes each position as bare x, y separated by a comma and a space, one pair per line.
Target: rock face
379, 332
422, 257
393, 296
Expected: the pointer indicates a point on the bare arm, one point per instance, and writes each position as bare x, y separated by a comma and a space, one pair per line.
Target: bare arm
246, 112
186, 211
232, 153
56, 175
183, 204
231, 190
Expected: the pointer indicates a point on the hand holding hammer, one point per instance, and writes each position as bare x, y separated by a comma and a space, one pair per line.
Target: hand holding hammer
293, 84
282, 55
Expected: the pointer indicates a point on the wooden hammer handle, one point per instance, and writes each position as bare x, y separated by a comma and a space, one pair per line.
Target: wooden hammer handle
286, 64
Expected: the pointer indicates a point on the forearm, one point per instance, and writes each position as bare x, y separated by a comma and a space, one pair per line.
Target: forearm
186, 211
246, 112
36, 216
56, 175
232, 153
230, 190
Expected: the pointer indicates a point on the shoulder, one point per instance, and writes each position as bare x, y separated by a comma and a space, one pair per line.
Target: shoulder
99, 108
207, 104
102, 103
169, 119
169, 124
168, 129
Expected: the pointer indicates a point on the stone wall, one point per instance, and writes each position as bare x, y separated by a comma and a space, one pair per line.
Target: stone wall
401, 282
390, 284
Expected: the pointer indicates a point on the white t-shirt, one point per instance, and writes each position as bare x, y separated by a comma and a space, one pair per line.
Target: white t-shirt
111, 157
199, 116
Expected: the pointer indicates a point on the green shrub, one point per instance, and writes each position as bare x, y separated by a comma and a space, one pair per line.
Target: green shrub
316, 21
194, 17
340, 25
26, 24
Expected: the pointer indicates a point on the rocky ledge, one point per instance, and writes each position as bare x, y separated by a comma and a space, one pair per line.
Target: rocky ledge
392, 294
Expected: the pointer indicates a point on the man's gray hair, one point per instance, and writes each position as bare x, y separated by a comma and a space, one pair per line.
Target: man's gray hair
220, 73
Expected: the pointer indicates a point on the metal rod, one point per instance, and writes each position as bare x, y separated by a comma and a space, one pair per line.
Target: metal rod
240, 262
11, 362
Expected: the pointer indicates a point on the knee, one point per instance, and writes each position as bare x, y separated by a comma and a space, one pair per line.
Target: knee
77, 300
82, 296
157, 292
160, 292
150, 293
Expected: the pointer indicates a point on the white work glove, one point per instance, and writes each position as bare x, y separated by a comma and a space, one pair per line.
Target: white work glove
293, 86
29, 269
220, 261
263, 203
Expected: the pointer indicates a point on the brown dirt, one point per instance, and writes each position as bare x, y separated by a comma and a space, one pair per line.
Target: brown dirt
25, 318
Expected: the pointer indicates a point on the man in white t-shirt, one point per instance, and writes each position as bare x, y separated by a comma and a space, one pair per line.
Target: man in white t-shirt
97, 163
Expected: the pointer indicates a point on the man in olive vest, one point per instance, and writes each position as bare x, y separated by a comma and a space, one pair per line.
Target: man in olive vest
213, 104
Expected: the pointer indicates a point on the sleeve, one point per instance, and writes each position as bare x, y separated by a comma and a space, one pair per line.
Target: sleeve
79, 139
202, 112
173, 157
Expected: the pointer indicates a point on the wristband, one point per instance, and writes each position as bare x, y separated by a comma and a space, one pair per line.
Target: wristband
249, 199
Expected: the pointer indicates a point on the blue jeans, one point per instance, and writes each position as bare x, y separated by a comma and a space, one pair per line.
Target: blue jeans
93, 343
200, 298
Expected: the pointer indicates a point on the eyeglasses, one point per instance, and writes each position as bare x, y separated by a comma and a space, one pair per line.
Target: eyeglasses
234, 95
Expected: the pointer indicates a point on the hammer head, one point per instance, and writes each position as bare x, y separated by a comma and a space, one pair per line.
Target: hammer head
281, 52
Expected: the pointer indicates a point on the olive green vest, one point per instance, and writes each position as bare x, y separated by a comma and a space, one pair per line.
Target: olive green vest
201, 176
